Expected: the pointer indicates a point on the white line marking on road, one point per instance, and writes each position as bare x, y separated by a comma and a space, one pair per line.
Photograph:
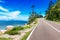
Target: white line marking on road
52, 27
37, 25
31, 32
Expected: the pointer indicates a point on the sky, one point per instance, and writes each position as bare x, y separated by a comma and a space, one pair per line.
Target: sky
20, 9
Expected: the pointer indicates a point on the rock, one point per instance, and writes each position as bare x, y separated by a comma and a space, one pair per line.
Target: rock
2, 31
9, 27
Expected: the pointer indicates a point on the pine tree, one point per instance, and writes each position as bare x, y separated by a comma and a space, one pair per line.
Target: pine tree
48, 12
32, 16
54, 12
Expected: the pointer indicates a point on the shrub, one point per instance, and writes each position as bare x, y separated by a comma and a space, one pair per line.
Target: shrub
14, 31
5, 39
27, 26
18, 28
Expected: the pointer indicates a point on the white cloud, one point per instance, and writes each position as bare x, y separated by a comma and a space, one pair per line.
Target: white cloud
14, 15
3, 9
9, 15
3, 18
20, 17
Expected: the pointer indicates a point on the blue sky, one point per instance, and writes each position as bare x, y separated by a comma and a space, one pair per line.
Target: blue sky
20, 9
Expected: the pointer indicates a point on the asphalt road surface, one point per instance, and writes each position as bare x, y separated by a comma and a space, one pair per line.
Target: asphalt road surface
46, 30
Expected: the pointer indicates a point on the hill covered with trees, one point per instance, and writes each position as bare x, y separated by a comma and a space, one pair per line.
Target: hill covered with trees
53, 12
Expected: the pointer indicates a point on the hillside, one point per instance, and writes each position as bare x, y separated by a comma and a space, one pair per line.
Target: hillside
54, 12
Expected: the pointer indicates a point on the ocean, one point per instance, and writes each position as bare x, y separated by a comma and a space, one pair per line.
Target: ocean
3, 24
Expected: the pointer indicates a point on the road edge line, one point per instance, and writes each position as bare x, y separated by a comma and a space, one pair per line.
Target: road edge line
31, 32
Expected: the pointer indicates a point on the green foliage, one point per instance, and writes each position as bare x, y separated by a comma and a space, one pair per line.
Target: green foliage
25, 36
50, 5
18, 28
54, 12
27, 26
38, 16
14, 31
36, 21
33, 15
5, 39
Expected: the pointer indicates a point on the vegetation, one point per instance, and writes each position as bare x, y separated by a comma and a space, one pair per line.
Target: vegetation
27, 26
36, 21
33, 15
53, 12
5, 39
25, 36
14, 31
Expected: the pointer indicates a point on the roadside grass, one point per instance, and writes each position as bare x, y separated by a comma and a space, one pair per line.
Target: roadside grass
5, 39
58, 22
25, 36
14, 31
36, 21
27, 33
27, 26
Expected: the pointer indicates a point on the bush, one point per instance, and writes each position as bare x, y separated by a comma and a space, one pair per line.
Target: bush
27, 26
14, 31
5, 39
35, 21
18, 28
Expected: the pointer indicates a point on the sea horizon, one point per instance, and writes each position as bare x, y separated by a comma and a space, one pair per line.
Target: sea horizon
4, 24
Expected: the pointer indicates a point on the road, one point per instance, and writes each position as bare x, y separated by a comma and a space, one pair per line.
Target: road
46, 30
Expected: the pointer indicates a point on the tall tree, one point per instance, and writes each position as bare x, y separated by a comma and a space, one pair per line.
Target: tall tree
54, 12
33, 6
50, 4
32, 16
48, 13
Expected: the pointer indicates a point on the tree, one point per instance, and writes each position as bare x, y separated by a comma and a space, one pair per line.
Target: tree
32, 8
54, 12
50, 5
32, 16
48, 12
